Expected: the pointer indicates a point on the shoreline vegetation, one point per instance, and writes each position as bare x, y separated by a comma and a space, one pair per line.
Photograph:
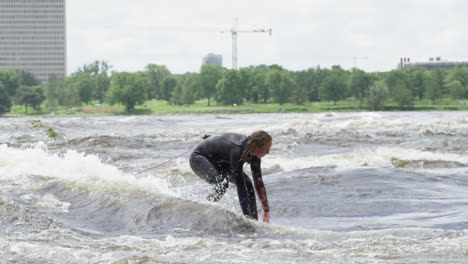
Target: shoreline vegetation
161, 107
95, 90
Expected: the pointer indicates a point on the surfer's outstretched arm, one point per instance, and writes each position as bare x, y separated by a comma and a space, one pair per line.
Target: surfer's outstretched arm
260, 188
246, 194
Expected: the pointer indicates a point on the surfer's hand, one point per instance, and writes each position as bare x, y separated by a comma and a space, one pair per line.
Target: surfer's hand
266, 217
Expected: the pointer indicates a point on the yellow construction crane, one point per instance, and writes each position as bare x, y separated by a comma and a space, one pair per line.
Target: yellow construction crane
234, 31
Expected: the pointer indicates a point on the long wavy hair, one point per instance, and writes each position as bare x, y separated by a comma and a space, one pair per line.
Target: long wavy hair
257, 139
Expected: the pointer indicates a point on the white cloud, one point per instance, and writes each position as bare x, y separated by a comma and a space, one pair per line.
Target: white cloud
131, 34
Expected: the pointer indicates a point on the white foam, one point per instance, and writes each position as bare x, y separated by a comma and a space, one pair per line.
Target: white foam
379, 157
87, 171
416, 245
48, 201
369, 122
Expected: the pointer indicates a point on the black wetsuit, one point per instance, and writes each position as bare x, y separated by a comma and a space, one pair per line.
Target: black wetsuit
217, 161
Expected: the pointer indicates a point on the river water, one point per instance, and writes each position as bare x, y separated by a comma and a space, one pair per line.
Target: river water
342, 187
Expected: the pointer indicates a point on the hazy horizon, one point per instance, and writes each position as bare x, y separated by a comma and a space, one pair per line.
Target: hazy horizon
371, 35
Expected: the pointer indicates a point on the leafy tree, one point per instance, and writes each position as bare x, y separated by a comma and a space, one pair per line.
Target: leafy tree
155, 75
334, 86
140, 77
102, 85
245, 83
128, 89
309, 81
260, 89
436, 88
228, 88
52, 91
30, 96
168, 86
299, 94
176, 95
102, 80
281, 84
378, 94
86, 86
460, 73
183, 94
187, 96
273, 80
179, 94
5, 103
317, 76
418, 78
209, 77
96, 68
93, 81
10, 81
191, 87
276, 67
28, 79
397, 78
403, 95
69, 95
456, 89
359, 84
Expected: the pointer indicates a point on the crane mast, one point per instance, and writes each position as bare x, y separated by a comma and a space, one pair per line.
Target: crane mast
234, 31
234, 44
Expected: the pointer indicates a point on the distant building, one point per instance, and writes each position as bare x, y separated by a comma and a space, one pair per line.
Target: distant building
435, 62
213, 59
33, 37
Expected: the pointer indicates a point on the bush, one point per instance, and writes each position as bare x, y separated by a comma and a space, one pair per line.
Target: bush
5, 103
378, 94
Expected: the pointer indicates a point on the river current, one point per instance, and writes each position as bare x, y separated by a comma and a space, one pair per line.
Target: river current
380, 187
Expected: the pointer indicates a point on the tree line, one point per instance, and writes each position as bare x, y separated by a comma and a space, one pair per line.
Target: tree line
254, 84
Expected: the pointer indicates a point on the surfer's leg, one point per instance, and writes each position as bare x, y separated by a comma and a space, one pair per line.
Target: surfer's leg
246, 193
218, 191
205, 169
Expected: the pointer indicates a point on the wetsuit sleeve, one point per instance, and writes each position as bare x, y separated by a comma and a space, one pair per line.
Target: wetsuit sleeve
236, 164
245, 190
258, 183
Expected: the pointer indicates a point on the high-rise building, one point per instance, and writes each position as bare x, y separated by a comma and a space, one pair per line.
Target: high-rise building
213, 59
434, 62
33, 37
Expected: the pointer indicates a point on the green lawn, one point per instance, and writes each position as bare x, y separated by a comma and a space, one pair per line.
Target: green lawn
201, 107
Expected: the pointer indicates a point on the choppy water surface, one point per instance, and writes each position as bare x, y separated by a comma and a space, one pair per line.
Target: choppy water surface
342, 187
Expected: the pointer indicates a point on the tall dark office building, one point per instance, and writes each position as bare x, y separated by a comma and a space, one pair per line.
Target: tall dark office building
33, 37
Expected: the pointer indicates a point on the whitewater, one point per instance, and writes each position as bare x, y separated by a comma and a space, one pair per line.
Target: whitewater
367, 187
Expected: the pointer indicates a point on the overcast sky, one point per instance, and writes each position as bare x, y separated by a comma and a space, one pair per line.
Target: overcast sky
373, 34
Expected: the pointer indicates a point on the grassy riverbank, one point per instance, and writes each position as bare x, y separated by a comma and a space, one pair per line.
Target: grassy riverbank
155, 107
